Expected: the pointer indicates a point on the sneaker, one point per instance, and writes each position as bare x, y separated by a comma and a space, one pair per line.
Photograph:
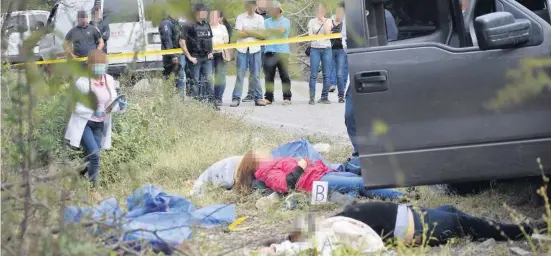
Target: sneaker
324, 101
341, 99
218, 103
312, 101
286, 102
267, 102
234, 103
249, 98
332, 88
259, 103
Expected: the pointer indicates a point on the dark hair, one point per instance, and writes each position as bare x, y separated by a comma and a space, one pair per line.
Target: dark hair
341, 4
225, 22
200, 7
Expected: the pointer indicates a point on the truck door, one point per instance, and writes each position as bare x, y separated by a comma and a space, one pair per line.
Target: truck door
432, 96
127, 31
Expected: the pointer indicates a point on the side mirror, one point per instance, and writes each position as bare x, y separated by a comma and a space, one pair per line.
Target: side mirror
500, 30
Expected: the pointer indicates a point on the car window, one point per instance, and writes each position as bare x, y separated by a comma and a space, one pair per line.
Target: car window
37, 21
121, 11
414, 18
18, 23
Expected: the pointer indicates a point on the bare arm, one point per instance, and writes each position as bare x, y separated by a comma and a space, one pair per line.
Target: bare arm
328, 26
101, 44
183, 45
68, 49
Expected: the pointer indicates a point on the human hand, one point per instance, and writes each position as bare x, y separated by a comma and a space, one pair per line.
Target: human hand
193, 60
175, 60
122, 104
303, 163
210, 56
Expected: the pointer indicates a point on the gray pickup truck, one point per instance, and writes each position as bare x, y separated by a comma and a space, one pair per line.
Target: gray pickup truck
432, 87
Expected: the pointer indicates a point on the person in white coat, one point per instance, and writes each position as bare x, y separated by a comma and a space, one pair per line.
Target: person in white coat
90, 124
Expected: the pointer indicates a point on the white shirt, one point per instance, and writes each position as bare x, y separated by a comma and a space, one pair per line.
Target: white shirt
246, 22
313, 27
220, 35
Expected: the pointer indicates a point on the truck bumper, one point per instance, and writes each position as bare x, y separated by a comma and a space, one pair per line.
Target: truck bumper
121, 69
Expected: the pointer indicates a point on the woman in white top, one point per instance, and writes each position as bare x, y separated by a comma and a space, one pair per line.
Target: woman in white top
90, 122
219, 36
320, 51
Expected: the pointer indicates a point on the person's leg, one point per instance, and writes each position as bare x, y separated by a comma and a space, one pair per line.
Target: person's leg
196, 79
346, 75
181, 82
254, 66
270, 64
326, 59
339, 56
350, 122
91, 151
342, 184
333, 76
283, 68
315, 56
206, 71
220, 77
447, 222
241, 65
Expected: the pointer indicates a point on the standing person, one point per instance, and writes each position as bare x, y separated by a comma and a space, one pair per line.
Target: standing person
91, 126
338, 48
261, 9
83, 38
248, 25
320, 52
276, 57
333, 78
103, 25
182, 75
169, 29
219, 36
199, 51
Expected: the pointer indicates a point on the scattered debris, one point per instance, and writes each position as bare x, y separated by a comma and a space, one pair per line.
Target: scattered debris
488, 244
322, 147
519, 251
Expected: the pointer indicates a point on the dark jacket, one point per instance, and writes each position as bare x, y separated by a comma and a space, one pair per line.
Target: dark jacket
199, 39
103, 27
169, 30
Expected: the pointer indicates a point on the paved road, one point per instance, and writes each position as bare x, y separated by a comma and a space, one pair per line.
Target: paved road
300, 116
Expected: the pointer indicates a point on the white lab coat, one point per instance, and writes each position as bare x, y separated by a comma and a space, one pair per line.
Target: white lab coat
82, 114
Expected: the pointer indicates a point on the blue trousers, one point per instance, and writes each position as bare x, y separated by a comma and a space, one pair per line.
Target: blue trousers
91, 142
353, 185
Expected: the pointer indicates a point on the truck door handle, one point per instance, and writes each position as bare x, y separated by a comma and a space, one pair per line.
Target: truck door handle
371, 81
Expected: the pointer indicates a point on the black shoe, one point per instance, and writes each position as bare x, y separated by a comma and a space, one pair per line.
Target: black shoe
259, 103
249, 98
332, 88
324, 101
218, 103
235, 103
312, 101
341, 99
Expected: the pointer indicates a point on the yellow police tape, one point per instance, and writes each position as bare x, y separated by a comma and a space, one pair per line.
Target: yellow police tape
297, 39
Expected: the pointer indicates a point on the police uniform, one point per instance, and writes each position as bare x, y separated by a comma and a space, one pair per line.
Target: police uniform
169, 29
198, 37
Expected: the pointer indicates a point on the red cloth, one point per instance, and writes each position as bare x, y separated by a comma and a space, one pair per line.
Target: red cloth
274, 173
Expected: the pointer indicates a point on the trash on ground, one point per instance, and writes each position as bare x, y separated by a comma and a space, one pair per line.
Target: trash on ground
161, 220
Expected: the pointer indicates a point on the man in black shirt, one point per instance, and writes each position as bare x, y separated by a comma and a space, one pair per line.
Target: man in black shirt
101, 23
170, 32
198, 38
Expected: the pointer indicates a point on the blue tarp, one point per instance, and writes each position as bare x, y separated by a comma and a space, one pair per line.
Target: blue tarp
164, 220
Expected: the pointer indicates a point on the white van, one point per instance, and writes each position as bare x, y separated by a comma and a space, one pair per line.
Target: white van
22, 23
130, 32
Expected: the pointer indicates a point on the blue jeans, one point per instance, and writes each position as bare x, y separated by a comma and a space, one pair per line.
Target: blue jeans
203, 68
325, 56
353, 185
181, 81
253, 62
219, 76
91, 142
339, 70
350, 122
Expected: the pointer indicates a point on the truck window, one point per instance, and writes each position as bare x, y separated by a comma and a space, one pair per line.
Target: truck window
18, 23
121, 11
36, 21
414, 18
539, 7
